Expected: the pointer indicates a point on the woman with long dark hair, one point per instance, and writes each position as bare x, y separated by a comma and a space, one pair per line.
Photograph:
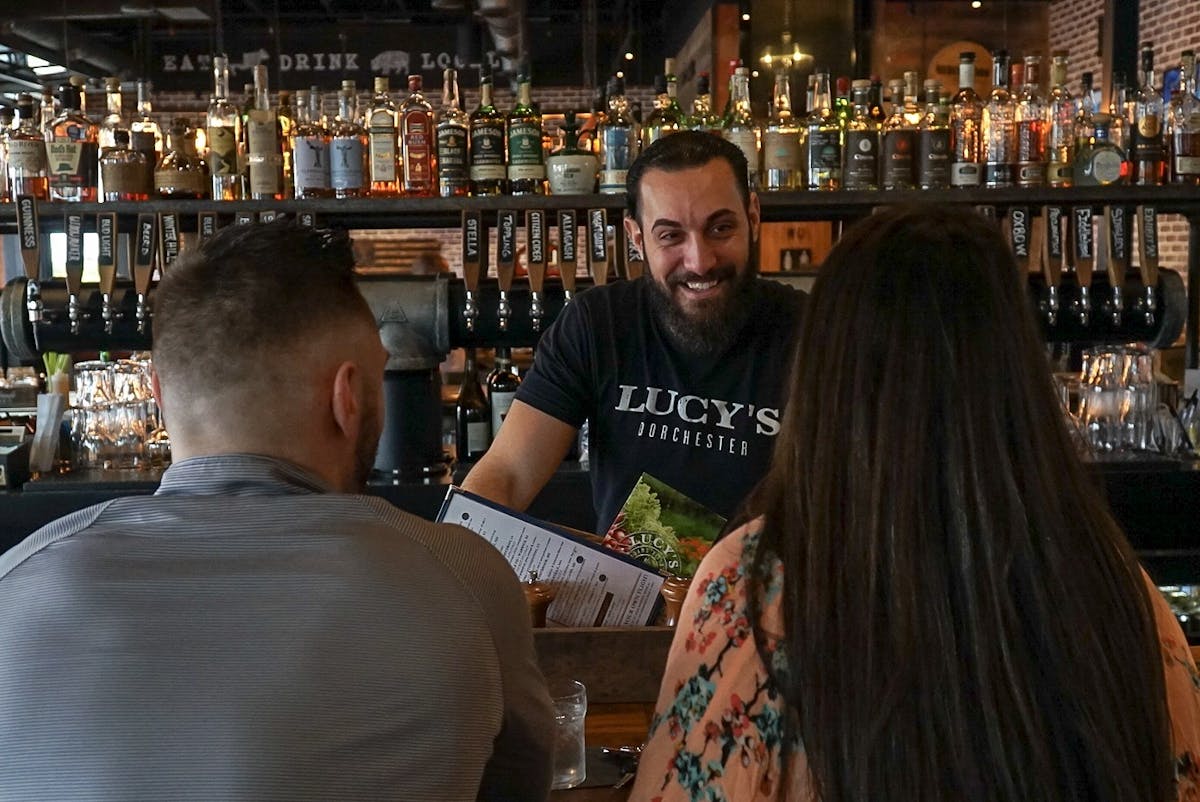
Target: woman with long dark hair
928, 600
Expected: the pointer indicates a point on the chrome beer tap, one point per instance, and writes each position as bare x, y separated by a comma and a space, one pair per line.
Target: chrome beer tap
535, 238
506, 262
143, 266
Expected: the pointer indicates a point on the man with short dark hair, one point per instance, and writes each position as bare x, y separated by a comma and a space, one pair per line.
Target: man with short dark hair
681, 373
253, 630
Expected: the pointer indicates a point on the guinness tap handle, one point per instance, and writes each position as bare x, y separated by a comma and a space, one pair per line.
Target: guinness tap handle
1148, 263
568, 259
29, 233
473, 239
506, 260
535, 238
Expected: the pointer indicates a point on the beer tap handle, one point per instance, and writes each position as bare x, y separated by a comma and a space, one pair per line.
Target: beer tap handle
1018, 235
1118, 224
143, 265
168, 240
598, 246
1052, 263
206, 224
506, 261
1085, 258
474, 237
29, 234
73, 227
1148, 263
106, 265
567, 255
535, 239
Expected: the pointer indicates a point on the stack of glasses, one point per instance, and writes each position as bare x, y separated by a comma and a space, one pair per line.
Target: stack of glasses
114, 420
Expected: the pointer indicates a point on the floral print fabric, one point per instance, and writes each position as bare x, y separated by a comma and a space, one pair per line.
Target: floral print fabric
717, 734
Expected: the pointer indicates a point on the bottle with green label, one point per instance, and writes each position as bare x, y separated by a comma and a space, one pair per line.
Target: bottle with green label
526, 164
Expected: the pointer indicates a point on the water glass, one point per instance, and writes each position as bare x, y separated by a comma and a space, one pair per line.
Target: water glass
1118, 399
570, 709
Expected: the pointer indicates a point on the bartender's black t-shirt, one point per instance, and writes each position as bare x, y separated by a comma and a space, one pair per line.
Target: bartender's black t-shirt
705, 426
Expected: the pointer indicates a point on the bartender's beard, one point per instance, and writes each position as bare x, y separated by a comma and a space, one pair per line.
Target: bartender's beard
711, 329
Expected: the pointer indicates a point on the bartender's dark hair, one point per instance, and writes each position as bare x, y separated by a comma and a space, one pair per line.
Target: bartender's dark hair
682, 151
249, 295
964, 618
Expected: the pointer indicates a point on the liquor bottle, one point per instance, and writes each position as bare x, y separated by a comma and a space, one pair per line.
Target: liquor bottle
223, 132
898, 143
264, 159
502, 384
417, 142
966, 125
702, 117
1060, 132
72, 150
6, 125
347, 150
310, 148
49, 109
27, 174
145, 135
123, 171
381, 127
823, 162
669, 118
286, 116
876, 97
1099, 161
999, 132
841, 102
589, 132
1085, 111
861, 153
1030, 117
243, 143
1122, 106
618, 140
454, 180
1148, 158
489, 176
652, 126
739, 127
112, 121
526, 163
472, 417
570, 168
933, 141
1183, 125
182, 173
781, 141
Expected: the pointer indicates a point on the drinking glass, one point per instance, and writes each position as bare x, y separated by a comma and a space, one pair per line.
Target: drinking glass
570, 709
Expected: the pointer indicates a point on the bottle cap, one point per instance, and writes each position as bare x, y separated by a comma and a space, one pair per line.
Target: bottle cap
702, 84
660, 84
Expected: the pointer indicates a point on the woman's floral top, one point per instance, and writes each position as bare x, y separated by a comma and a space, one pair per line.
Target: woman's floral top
717, 735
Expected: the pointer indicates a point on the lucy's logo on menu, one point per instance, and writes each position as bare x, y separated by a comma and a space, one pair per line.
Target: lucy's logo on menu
28, 223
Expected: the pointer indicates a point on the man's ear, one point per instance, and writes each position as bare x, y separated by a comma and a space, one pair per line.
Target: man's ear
346, 400
634, 232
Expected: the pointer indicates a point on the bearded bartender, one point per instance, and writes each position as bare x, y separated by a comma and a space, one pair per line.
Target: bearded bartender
681, 373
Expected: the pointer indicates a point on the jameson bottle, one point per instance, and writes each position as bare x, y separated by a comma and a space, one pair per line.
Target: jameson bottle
823, 149
223, 131
72, 150
347, 150
310, 149
781, 141
502, 384
489, 176
472, 418
999, 131
899, 142
933, 141
381, 131
1060, 131
966, 124
860, 168
526, 162
181, 174
27, 154
453, 124
1148, 158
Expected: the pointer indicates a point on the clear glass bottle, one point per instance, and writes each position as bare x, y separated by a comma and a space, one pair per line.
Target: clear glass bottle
781, 140
27, 173
347, 150
999, 129
966, 126
286, 115
145, 135
182, 173
310, 149
123, 170
472, 417
860, 168
1183, 125
933, 140
72, 150
1060, 132
1149, 158
1099, 161
526, 162
382, 130
702, 117
898, 143
489, 174
417, 142
1030, 119
1085, 111
571, 169
454, 179
223, 132
739, 126
113, 120
823, 146
618, 140
49, 109
264, 159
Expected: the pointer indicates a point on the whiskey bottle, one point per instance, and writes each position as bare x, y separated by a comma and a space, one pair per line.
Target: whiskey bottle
1030, 117
1060, 133
526, 164
123, 171
1122, 108
651, 127
877, 111
286, 115
739, 126
454, 179
145, 135
489, 175
223, 132
702, 117
72, 150
1099, 161
27, 173
347, 150
473, 425
502, 384
112, 121
310, 148
823, 162
571, 169
1183, 125
264, 159
417, 142
1148, 159
382, 133
933, 141
182, 174
618, 140
860, 168
1085, 111
49, 109
999, 131
667, 117
781, 141
898, 143
966, 125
